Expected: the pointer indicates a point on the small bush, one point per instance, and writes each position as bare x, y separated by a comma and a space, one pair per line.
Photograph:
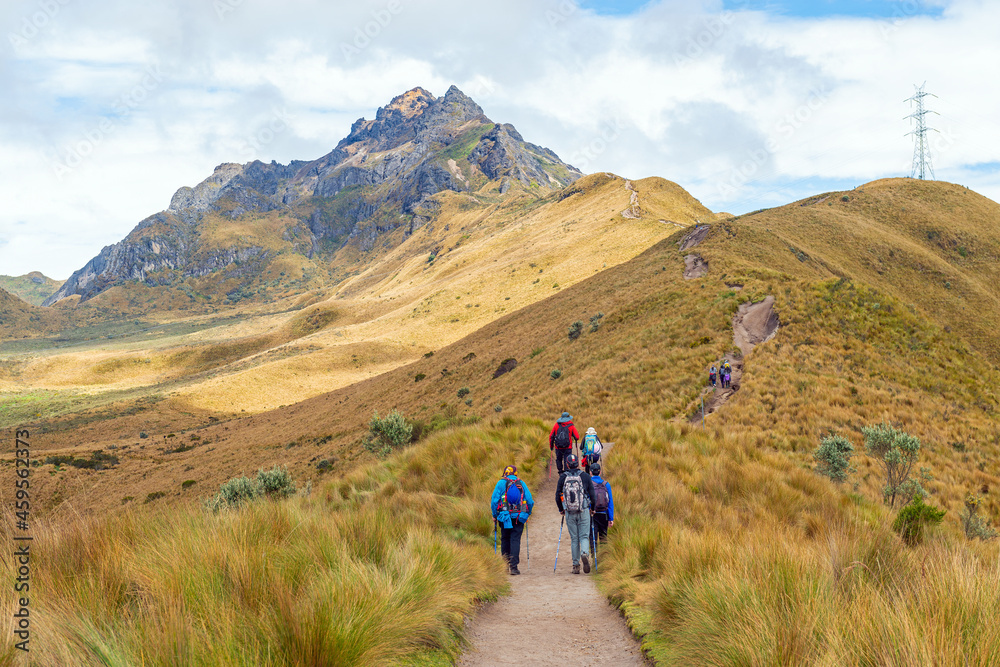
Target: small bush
595, 322
575, 330
912, 520
275, 483
833, 457
896, 451
974, 525
845, 198
419, 376
387, 433
188, 483
534, 353
143, 434
555, 374
497, 408
154, 496
468, 402
428, 355
463, 392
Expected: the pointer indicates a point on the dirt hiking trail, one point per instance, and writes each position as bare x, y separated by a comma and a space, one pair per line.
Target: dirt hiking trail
550, 618
753, 324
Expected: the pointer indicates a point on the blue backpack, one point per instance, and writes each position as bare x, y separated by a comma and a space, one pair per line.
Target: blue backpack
514, 499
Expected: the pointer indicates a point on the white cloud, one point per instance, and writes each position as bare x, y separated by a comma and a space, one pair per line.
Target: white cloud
744, 109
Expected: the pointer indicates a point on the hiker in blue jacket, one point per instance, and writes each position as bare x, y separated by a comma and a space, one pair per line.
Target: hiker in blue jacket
511, 505
604, 507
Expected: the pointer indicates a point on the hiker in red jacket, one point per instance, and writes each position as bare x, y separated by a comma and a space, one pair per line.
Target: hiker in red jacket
562, 438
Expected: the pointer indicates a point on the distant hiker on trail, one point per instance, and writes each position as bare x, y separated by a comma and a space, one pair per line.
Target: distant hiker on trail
604, 504
590, 450
562, 438
711, 375
726, 371
511, 505
575, 500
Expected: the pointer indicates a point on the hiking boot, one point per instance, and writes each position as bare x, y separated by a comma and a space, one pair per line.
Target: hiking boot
576, 568
514, 570
586, 563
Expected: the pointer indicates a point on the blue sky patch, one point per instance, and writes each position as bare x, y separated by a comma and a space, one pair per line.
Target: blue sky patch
882, 9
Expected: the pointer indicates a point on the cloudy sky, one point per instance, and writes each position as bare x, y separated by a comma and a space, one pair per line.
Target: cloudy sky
110, 105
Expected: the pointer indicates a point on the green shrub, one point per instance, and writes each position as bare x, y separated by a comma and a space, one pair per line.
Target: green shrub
974, 525
896, 451
419, 376
234, 493
154, 496
388, 433
575, 330
463, 392
595, 322
833, 457
497, 408
275, 483
188, 483
555, 374
912, 520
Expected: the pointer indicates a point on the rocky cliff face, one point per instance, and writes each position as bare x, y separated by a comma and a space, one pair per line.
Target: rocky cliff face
415, 147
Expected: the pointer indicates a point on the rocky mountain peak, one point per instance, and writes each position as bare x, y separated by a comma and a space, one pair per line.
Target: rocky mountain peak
386, 169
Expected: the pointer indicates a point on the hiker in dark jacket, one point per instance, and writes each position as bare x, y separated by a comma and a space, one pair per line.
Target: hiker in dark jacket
604, 515
511, 505
562, 438
575, 500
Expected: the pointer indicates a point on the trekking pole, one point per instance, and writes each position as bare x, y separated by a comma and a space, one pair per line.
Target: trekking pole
494, 535
593, 541
527, 541
556, 564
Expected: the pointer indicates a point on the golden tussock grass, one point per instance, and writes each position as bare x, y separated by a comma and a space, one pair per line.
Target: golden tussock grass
382, 569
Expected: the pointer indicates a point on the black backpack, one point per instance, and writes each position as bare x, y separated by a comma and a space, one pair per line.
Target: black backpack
561, 441
601, 499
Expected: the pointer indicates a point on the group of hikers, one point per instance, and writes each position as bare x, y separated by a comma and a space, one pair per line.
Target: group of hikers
724, 374
583, 498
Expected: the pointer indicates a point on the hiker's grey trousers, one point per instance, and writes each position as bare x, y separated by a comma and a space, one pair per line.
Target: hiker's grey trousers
578, 524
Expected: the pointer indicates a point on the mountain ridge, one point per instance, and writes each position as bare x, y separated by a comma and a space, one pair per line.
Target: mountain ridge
379, 178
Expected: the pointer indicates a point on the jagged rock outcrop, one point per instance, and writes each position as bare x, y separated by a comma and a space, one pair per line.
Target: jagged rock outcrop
388, 167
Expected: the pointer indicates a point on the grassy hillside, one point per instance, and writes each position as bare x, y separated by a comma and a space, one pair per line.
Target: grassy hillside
729, 547
382, 569
481, 258
32, 287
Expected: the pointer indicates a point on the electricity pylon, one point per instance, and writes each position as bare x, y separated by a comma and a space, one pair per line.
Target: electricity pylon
921, 148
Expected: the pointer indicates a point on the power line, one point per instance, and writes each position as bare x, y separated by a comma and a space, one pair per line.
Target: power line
921, 149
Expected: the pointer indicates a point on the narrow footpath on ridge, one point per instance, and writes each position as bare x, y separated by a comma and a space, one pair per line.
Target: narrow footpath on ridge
551, 618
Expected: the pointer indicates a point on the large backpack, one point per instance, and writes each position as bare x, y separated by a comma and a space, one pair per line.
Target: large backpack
573, 495
513, 500
589, 443
601, 499
561, 440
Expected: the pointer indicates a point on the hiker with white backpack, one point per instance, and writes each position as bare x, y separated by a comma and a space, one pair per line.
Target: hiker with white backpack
590, 449
511, 505
575, 500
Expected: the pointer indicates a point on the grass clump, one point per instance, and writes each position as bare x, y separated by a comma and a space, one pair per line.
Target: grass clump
555, 374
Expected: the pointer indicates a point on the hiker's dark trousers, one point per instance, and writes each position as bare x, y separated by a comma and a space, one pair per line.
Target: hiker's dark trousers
601, 525
510, 542
561, 455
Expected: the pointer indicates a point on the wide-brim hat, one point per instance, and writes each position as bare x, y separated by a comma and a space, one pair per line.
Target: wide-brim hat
565, 417
591, 431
